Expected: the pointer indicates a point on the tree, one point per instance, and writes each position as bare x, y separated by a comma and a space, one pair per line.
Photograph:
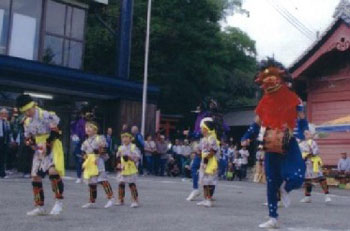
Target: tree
191, 56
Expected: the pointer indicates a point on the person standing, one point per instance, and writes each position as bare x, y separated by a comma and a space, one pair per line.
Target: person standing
162, 154
112, 147
16, 137
210, 151
4, 141
128, 156
150, 152
177, 150
94, 151
78, 136
313, 161
195, 165
244, 154
186, 153
140, 144
42, 135
277, 114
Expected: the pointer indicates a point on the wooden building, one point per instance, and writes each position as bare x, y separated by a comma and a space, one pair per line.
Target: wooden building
322, 78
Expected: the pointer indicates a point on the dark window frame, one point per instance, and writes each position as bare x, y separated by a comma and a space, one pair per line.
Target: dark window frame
67, 37
43, 32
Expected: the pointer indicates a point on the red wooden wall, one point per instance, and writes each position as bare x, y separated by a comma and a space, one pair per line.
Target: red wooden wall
329, 99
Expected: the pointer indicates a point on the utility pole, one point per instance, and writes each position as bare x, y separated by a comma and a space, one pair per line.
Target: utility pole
145, 79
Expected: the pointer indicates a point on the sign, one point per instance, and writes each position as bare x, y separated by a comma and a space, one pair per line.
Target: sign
102, 1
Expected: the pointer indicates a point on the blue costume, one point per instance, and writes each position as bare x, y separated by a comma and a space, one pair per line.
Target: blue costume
278, 168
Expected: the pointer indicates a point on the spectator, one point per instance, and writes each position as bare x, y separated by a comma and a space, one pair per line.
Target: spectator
238, 162
244, 155
173, 168
223, 162
162, 153
230, 174
140, 144
25, 154
4, 140
259, 176
231, 152
150, 150
186, 153
178, 153
16, 136
77, 137
344, 163
112, 147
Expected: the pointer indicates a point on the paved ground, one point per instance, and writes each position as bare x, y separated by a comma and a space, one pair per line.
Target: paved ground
238, 207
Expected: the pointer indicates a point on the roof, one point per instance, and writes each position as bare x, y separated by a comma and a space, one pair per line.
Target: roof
243, 117
32, 75
341, 15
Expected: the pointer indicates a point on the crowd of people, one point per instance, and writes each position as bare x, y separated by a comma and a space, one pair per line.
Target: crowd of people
14, 155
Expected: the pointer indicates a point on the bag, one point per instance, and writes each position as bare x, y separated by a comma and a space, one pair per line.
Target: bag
277, 140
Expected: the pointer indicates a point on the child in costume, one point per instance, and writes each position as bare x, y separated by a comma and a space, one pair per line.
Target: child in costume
274, 125
95, 155
128, 156
313, 161
42, 135
210, 152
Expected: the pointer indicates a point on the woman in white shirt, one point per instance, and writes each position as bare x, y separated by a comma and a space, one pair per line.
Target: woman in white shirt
150, 149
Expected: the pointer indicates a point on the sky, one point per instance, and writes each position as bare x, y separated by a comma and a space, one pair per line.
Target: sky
274, 35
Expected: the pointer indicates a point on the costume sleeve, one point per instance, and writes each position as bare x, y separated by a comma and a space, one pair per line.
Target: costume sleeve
51, 118
252, 132
314, 148
136, 153
83, 147
102, 142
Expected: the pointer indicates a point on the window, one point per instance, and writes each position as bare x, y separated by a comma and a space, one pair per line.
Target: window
24, 37
4, 24
64, 35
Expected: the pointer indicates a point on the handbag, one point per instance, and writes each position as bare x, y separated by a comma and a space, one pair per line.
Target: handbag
277, 140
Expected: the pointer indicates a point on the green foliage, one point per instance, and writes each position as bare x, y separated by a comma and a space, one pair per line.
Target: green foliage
191, 56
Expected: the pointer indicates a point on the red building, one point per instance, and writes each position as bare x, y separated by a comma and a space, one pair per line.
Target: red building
322, 77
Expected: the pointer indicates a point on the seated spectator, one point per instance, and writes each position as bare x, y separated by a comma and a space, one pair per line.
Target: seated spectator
173, 168
344, 163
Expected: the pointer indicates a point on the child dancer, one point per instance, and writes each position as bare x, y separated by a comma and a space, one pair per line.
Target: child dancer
128, 156
210, 151
309, 149
95, 156
42, 135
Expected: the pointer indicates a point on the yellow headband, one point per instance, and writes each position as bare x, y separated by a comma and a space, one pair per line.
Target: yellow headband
27, 107
127, 134
92, 125
206, 127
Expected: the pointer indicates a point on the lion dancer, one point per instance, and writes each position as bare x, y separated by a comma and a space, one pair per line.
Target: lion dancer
275, 121
313, 161
42, 134
95, 155
210, 150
